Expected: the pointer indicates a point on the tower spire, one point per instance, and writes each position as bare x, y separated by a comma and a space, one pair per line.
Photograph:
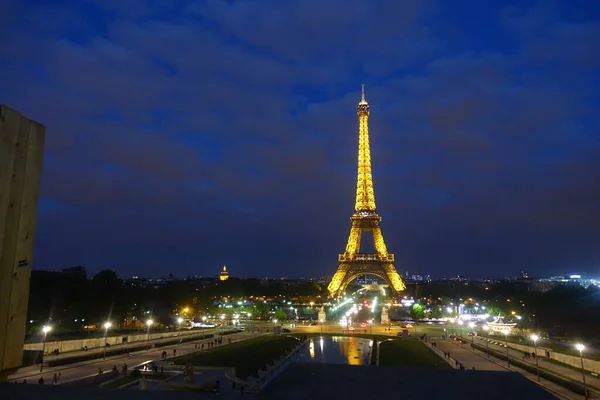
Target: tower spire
363, 101
365, 196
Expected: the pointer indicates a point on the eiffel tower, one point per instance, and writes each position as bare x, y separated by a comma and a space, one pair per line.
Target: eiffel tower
352, 263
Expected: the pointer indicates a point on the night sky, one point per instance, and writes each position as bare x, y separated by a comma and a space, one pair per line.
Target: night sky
184, 135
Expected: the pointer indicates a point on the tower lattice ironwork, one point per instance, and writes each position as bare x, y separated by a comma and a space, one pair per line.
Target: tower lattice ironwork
352, 262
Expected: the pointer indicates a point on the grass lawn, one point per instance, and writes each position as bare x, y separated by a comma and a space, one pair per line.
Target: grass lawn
409, 353
247, 356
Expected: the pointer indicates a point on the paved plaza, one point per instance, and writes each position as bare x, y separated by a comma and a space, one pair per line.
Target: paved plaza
86, 368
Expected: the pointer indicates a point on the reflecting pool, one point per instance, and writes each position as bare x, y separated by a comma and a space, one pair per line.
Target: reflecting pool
336, 350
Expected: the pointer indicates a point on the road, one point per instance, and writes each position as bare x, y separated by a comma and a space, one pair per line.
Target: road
86, 368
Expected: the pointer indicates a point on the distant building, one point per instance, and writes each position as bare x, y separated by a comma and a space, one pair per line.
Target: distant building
224, 274
545, 284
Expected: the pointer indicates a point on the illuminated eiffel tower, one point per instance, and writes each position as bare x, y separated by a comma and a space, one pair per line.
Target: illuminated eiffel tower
365, 219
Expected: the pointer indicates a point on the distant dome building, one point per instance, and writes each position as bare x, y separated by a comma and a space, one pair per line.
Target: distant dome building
224, 274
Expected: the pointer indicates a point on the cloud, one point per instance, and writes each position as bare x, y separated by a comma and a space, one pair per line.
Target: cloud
187, 134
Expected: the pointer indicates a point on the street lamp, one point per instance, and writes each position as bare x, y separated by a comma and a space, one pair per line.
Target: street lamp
45, 330
537, 365
460, 323
487, 341
179, 321
472, 325
106, 326
506, 344
321, 321
581, 347
149, 323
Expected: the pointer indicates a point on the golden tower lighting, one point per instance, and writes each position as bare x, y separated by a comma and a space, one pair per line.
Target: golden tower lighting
352, 262
224, 274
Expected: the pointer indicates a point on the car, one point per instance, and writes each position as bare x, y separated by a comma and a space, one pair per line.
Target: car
286, 330
312, 324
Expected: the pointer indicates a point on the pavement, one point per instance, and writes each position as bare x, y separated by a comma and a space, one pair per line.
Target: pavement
83, 369
467, 356
469, 359
562, 370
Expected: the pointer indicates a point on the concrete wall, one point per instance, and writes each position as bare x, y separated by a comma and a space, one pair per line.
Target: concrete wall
21, 151
76, 344
574, 361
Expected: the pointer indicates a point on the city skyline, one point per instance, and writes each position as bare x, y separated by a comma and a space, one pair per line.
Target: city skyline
185, 135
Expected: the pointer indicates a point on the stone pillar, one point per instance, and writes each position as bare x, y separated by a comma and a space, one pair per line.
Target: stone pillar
385, 319
322, 315
21, 151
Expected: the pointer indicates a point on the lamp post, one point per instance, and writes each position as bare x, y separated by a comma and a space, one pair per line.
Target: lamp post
149, 323
581, 347
472, 325
179, 321
321, 321
460, 323
487, 341
537, 365
506, 344
45, 330
106, 326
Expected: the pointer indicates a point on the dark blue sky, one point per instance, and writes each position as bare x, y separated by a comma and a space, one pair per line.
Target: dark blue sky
183, 135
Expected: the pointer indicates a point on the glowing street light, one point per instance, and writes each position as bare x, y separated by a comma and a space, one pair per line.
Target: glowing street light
506, 344
45, 330
149, 324
106, 326
472, 325
537, 365
179, 321
581, 347
321, 321
487, 341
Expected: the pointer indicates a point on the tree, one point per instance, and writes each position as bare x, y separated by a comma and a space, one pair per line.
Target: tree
435, 312
280, 315
77, 273
417, 312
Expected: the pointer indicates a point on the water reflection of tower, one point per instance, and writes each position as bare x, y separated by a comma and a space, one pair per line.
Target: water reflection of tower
350, 350
311, 349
